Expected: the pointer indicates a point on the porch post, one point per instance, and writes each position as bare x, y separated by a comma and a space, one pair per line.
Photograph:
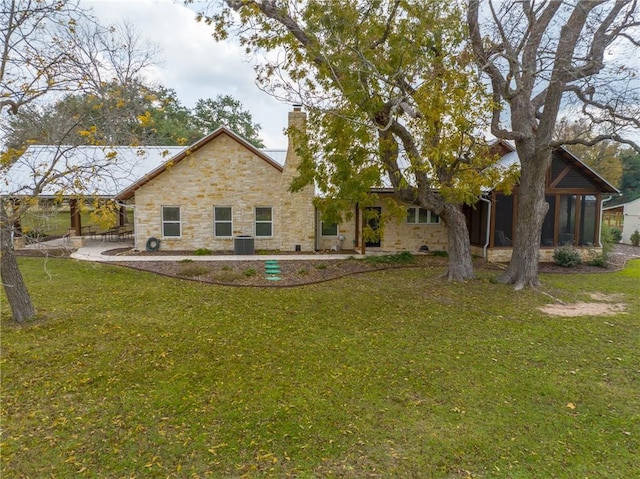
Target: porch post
122, 216
76, 221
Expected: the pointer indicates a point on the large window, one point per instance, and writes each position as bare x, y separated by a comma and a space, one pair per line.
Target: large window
264, 221
503, 233
548, 225
171, 221
422, 216
329, 229
567, 220
222, 222
587, 230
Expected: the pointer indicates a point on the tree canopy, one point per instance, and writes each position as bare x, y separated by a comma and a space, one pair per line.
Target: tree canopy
212, 113
542, 58
66, 80
130, 114
392, 99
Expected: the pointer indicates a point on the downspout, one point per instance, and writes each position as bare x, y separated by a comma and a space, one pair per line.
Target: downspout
316, 230
488, 234
601, 216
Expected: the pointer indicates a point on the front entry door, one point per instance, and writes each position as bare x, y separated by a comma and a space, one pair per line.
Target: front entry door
373, 221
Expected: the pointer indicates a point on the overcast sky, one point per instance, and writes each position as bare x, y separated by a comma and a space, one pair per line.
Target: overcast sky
195, 65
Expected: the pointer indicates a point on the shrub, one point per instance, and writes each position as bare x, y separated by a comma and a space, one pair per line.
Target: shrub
439, 254
321, 266
202, 252
33, 236
599, 260
249, 272
635, 238
615, 234
567, 257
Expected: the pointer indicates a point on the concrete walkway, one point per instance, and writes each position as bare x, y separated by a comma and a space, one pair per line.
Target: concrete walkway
93, 251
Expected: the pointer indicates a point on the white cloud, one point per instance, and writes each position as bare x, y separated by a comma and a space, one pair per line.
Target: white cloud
193, 64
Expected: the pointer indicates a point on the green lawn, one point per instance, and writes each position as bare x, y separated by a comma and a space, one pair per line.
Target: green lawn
56, 223
387, 374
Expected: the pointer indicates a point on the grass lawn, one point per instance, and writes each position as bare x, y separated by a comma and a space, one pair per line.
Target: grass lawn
57, 223
387, 374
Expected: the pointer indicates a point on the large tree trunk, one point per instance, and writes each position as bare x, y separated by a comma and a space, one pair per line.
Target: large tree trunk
532, 208
17, 293
459, 247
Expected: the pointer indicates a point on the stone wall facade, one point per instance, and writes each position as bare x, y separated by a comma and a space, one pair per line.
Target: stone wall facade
402, 236
224, 172
397, 234
503, 255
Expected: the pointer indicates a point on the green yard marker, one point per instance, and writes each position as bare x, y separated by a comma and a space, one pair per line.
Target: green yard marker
272, 268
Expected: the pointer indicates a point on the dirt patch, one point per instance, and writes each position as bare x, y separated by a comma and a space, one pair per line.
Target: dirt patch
584, 309
607, 305
608, 298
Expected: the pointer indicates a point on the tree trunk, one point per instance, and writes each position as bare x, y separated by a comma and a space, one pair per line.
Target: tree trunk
532, 208
17, 294
459, 247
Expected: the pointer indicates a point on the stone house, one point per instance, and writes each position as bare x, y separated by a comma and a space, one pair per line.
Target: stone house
223, 194
220, 192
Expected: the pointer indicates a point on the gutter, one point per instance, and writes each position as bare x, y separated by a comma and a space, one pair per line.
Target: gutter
486, 245
601, 215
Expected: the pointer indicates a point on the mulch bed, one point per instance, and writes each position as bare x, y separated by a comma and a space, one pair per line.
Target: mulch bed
253, 273
298, 272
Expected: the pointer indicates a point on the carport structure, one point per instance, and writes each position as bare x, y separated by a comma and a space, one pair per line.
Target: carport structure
59, 173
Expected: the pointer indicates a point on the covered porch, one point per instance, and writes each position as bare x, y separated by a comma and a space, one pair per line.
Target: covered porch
575, 195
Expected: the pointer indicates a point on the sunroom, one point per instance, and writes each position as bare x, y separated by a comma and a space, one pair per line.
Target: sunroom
574, 193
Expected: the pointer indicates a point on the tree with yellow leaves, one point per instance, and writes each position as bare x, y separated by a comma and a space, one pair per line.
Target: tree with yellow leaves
392, 96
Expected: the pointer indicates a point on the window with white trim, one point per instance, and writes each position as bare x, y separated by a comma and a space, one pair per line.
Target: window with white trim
264, 221
171, 224
329, 229
422, 217
222, 222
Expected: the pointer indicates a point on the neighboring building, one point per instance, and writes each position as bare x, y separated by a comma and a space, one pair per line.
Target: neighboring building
630, 218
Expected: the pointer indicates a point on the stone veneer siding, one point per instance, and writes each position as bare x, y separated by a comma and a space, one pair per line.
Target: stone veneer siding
224, 172
397, 236
402, 236
503, 255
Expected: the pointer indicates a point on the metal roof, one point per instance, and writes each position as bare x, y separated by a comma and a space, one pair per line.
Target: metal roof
88, 170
